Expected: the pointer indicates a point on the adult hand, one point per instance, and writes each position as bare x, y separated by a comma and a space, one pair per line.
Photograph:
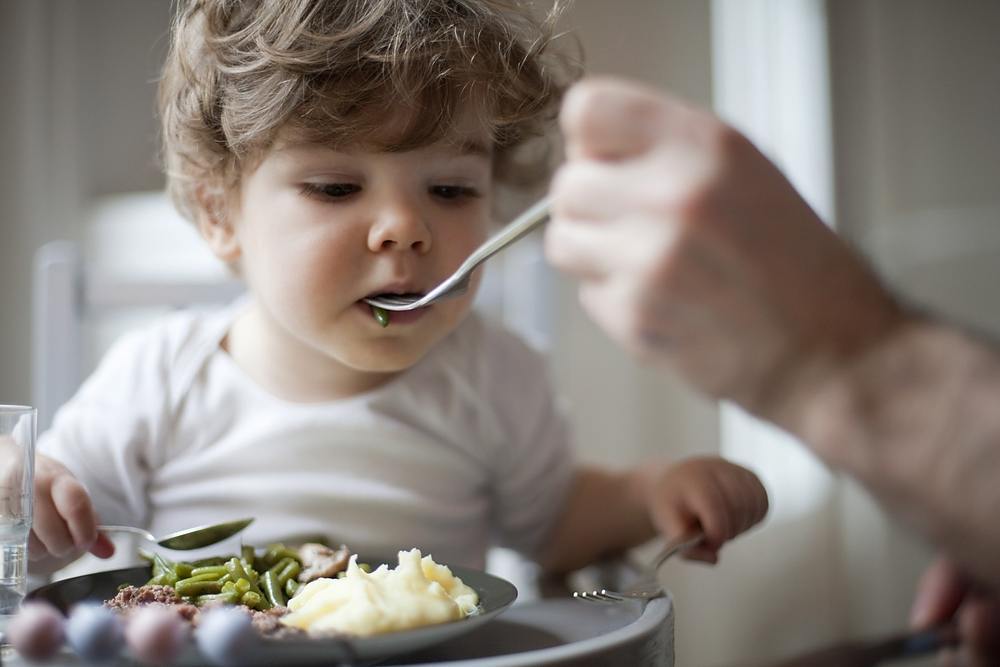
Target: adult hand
945, 593
692, 249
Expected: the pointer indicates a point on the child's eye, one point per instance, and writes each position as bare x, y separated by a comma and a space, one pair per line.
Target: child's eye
453, 191
330, 190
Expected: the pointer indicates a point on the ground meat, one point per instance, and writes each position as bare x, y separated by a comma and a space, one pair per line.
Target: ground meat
319, 560
131, 598
135, 596
268, 625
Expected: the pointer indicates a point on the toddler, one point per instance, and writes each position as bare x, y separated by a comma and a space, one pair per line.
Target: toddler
329, 151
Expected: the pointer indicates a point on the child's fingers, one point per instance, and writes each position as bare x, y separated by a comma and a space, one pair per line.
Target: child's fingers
103, 546
36, 550
675, 520
939, 594
710, 506
73, 505
701, 553
48, 526
754, 500
746, 499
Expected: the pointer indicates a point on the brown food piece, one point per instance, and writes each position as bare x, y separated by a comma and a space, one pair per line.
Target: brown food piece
319, 560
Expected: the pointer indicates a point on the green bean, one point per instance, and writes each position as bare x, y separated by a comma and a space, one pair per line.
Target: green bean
228, 598
255, 600
218, 570
160, 566
259, 582
288, 572
158, 580
381, 316
235, 568
212, 560
272, 589
189, 588
209, 576
164, 570
276, 552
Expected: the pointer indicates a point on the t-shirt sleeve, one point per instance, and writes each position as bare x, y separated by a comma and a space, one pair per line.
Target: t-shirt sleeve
533, 459
104, 434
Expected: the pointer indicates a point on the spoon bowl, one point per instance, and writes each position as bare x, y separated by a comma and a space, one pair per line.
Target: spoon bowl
458, 282
189, 538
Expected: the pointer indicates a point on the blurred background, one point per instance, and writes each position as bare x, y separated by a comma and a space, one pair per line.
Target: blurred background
883, 113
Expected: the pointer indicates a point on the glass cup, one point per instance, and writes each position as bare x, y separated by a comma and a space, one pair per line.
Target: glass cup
17, 473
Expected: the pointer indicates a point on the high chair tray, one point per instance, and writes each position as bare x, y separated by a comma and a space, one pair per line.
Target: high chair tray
563, 632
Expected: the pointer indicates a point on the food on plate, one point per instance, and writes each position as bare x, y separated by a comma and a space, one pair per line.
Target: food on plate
310, 591
319, 560
416, 593
287, 592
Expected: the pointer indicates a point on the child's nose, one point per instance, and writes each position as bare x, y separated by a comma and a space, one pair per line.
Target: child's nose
399, 228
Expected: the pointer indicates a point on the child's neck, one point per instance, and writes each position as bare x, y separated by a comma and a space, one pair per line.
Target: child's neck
290, 369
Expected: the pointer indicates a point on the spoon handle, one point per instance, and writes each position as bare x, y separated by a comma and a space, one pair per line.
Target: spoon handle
533, 216
145, 534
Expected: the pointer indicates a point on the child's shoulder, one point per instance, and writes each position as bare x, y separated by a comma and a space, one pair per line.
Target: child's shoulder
174, 341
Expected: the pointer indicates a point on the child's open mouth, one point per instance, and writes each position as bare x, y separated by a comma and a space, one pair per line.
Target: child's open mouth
385, 317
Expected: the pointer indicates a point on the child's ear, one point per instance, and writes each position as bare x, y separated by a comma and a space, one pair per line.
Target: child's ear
216, 224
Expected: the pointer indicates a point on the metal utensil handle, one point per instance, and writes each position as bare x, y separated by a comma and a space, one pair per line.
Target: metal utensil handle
533, 216
679, 544
145, 534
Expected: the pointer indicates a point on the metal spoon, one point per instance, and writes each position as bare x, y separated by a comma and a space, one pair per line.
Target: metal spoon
458, 282
191, 538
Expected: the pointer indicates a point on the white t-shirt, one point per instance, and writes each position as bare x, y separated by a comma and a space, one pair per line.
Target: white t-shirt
463, 451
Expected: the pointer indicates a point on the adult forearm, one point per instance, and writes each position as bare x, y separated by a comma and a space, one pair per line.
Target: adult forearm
917, 419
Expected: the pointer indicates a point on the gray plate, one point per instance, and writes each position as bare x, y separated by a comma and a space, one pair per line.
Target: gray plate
495, 595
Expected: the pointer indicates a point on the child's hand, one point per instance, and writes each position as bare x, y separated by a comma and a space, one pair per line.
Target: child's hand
720, 498
65, 524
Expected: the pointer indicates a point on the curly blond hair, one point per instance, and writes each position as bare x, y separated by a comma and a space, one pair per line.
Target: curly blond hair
238, 71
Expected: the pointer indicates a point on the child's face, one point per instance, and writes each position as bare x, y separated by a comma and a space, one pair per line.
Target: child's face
321, 229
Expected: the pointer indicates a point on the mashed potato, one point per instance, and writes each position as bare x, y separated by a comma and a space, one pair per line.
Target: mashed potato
416, 593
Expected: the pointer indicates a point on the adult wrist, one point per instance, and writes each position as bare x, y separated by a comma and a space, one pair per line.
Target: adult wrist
837, 398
